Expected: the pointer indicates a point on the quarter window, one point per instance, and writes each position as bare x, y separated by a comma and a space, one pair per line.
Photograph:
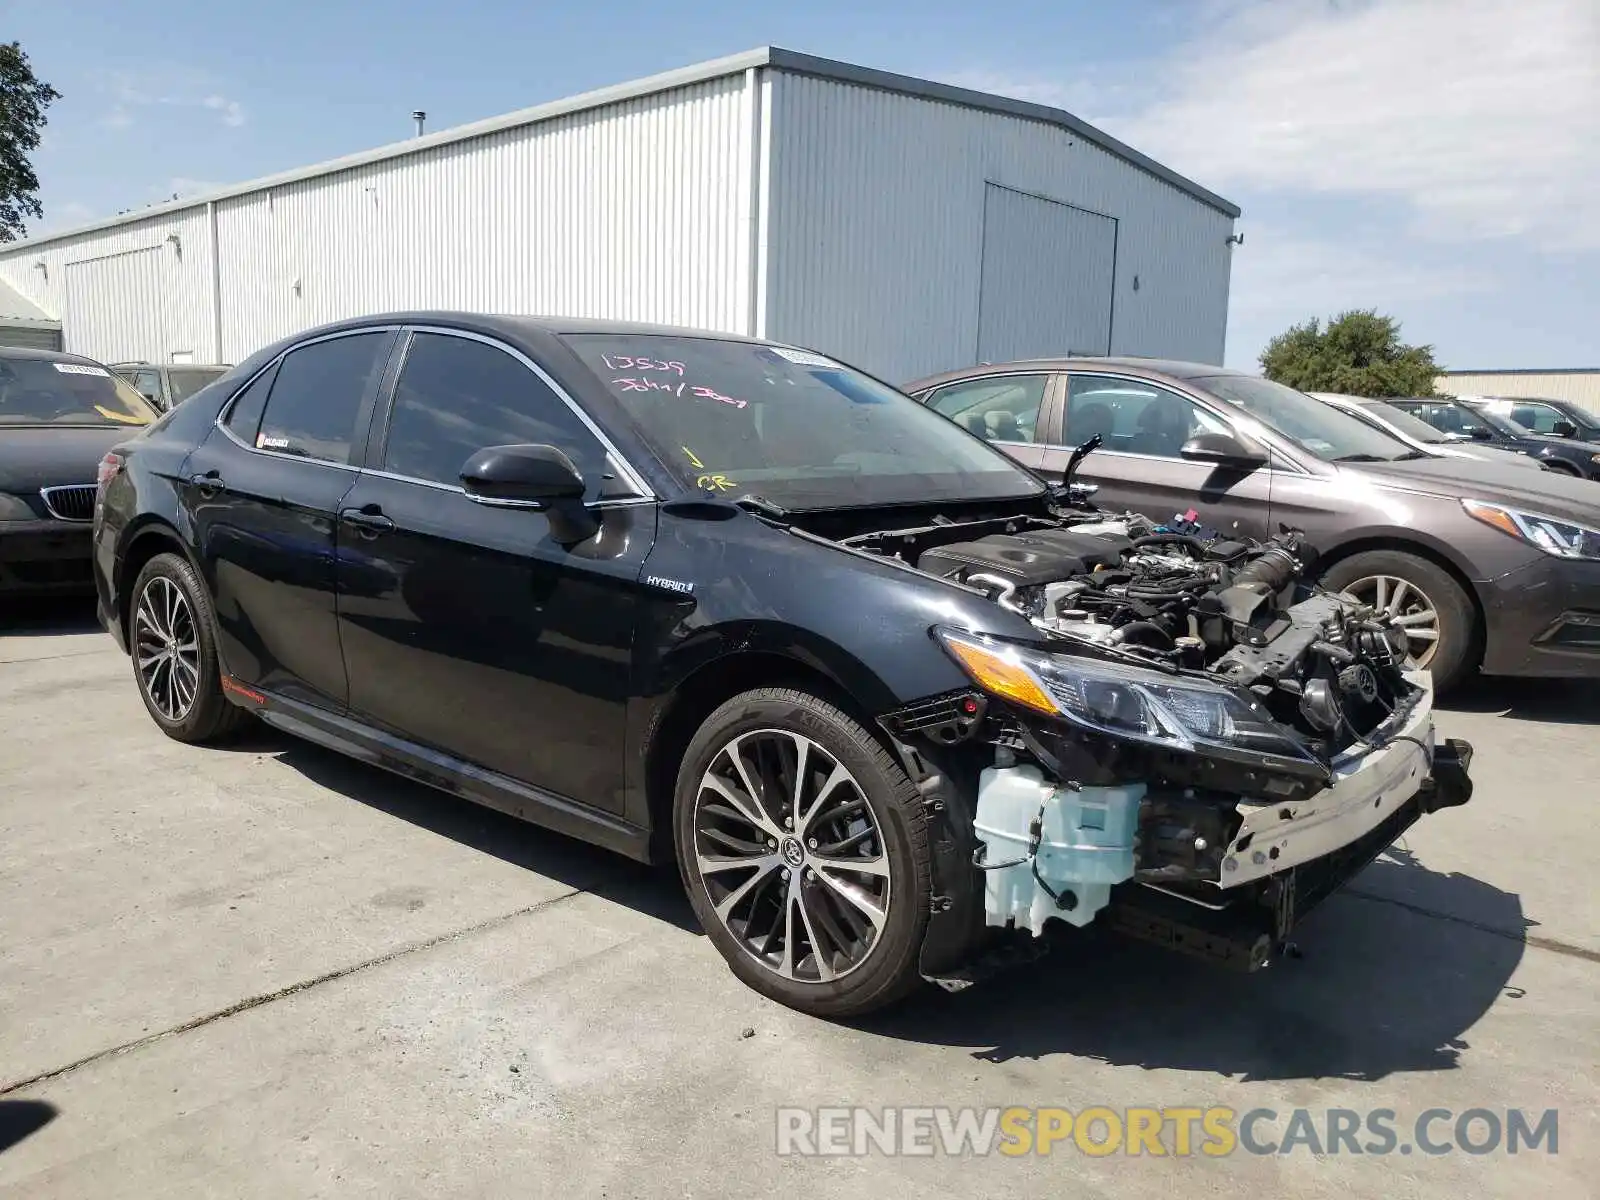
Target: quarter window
1133, 416
1002, 410
316, 397
457, 395
244, 418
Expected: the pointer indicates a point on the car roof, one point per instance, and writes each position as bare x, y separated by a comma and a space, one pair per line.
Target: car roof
24, 352
1168, 368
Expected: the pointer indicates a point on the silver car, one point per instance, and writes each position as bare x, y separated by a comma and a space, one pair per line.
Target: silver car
1418, 434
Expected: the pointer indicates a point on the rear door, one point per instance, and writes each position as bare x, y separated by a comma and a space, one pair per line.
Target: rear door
263, 492
1138, 466
467, 627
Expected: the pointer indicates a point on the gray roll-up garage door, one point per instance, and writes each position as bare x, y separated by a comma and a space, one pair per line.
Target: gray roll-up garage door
1047, 278
33, 337
116, 307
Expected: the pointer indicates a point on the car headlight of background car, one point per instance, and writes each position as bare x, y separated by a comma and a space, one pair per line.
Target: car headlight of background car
1124, 701
1563, 539
15, 508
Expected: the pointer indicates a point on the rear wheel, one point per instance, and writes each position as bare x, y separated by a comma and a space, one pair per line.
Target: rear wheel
1561, 468
172, 640
804, 850
1423, 599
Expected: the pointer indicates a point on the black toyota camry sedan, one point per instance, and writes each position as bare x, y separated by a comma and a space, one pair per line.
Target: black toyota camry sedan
893, 703
59, 414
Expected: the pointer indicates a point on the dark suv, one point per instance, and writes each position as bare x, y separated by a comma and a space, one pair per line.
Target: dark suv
1486, 427
878, 689
166, 384
1555, 418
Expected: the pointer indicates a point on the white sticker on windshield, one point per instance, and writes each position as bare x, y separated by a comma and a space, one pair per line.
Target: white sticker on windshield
804, 358
81, 369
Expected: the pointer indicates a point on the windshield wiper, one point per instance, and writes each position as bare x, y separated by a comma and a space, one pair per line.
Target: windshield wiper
1412, 456
1362, 458
761, 506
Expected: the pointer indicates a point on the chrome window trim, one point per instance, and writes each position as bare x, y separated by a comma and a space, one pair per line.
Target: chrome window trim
457, 489
222, 415
631, 475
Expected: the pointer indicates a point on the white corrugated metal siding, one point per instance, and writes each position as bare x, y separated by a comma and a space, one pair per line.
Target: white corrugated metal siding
1046, 278
165, 260
629, 211
875, 228
637, 210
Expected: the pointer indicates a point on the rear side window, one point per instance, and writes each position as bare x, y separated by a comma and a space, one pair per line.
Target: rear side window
317, 396
1002, 410
244, 418
457, 396
186, 381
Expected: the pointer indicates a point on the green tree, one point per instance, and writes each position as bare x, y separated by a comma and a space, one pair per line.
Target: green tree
23, 99
1357, 353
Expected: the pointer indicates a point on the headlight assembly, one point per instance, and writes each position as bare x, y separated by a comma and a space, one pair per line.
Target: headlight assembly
1554, 536
1174, 711
15, 508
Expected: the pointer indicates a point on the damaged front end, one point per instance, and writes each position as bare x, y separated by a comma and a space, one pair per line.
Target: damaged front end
1196, 749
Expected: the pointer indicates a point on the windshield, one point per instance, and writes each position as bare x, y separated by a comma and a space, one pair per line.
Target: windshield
186, 381
1310, 424
1414, 427
44, 391
790, 426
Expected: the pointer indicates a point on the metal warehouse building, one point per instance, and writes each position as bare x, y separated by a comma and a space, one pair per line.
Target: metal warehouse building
902, 225
1580, 385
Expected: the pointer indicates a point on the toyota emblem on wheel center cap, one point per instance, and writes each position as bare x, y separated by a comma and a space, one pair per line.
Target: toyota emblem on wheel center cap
793, 852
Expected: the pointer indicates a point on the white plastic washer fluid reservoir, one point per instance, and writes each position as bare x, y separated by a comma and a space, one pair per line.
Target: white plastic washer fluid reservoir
1085, 845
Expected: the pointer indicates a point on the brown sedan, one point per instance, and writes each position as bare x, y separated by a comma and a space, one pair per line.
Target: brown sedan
1489, 567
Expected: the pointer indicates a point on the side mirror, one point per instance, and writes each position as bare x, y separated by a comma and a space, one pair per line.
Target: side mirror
1480, 434
1225, 450
533, 476
521, 476
1564, 429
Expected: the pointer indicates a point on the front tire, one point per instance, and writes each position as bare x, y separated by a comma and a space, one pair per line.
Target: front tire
1437, 614
804, 850
172, 641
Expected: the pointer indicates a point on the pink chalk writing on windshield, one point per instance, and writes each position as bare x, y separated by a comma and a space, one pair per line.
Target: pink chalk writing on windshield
711, 394
625, 362
637, 384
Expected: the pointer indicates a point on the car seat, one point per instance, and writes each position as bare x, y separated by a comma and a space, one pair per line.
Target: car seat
1163, 427
1091, 419
1006, 428
975, 424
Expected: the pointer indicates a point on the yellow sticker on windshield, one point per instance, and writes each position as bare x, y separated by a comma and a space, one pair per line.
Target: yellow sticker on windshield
715, 483
125, 418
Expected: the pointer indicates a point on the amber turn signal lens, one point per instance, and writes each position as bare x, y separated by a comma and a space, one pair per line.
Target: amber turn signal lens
999, 676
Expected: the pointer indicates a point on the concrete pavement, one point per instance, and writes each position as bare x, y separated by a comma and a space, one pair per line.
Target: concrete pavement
266, 971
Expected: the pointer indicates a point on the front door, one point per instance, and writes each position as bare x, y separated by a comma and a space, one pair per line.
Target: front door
263, 492
1143, 426
466, 627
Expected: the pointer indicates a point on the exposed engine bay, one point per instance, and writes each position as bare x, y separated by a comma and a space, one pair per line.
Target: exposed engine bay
1178, 600
1199, 746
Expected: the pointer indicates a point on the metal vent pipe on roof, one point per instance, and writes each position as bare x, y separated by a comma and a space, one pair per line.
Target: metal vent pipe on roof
419, 117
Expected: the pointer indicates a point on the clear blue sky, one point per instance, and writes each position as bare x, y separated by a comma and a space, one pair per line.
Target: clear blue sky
1436, 159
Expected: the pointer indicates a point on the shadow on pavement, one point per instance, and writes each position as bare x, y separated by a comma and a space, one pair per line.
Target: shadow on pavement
1382, 988
1395, 969
48, 617
1558, 701
654, 891
22, 1118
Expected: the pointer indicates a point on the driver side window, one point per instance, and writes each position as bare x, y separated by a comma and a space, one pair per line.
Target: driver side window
1133, 417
